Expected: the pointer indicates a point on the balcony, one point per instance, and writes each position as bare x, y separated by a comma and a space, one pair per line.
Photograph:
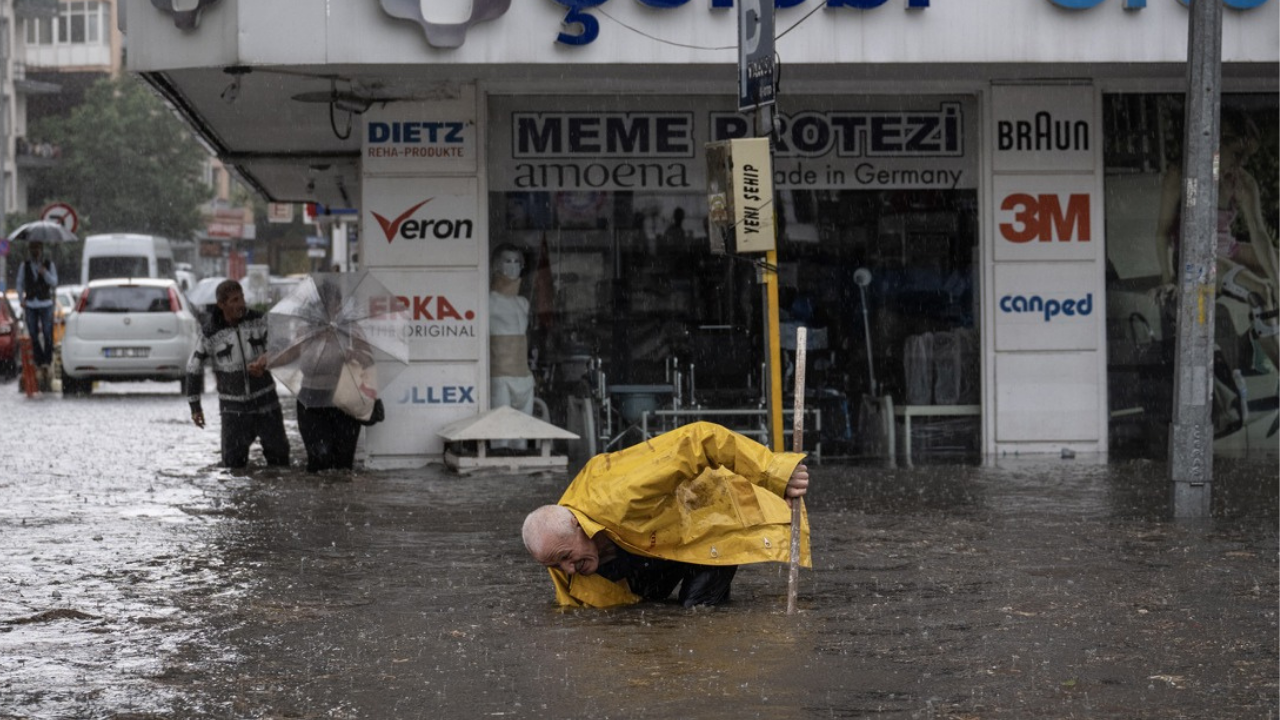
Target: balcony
30, 154
35, 8
26, 86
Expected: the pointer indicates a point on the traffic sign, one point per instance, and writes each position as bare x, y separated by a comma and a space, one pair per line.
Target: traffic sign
63, 214
756, 67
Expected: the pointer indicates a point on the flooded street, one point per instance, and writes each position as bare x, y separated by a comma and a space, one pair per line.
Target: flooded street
140, 581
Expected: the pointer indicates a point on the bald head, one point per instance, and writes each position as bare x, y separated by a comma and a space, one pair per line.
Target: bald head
554, 538
546, 524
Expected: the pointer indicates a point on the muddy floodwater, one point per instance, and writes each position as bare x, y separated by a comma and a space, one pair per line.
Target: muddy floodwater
139, 581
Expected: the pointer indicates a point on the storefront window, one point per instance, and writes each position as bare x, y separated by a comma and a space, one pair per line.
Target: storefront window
1144, 139
622, 278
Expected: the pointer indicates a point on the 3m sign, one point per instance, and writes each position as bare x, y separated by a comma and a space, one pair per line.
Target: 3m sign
1041, 218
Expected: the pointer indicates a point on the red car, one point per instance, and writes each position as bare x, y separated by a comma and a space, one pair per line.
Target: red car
10, 329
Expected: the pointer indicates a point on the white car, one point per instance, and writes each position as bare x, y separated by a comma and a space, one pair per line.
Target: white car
127, 329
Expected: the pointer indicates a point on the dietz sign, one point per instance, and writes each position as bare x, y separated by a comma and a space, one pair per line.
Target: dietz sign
425, 137
410, 139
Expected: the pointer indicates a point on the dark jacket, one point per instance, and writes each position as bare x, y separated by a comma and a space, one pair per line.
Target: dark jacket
230, 349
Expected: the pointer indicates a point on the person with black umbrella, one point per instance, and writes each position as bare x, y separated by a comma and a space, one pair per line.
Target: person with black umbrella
37, 281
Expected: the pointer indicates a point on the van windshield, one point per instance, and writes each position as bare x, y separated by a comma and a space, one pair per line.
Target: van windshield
117, 266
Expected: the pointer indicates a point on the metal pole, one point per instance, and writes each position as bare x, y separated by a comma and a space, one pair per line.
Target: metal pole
1191, 434
5, 57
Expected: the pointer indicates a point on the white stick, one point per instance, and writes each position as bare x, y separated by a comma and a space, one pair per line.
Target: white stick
797, 445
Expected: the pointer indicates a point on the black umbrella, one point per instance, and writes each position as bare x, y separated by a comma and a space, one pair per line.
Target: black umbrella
42, 231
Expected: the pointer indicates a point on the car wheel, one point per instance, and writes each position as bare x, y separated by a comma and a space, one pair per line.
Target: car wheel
73, 386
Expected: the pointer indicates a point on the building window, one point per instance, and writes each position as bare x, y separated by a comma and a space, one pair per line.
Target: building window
78, 23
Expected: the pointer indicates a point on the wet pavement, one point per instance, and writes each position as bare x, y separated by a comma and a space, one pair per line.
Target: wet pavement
140, 581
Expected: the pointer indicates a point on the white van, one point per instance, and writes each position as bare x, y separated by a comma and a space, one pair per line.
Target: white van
126, 255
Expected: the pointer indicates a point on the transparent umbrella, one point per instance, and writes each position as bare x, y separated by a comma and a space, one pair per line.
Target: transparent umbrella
42, 231
338, 339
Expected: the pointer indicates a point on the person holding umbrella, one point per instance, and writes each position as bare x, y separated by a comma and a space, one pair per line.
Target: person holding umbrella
37, 281
335, 340
329, 433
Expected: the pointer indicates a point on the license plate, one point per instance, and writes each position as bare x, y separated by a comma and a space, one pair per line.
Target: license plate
126, 352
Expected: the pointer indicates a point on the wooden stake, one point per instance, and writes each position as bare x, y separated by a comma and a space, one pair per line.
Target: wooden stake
797, 445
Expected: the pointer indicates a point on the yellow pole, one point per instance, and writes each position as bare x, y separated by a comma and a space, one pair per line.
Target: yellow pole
775, 350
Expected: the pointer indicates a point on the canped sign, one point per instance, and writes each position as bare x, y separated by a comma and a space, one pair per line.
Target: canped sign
1047, 306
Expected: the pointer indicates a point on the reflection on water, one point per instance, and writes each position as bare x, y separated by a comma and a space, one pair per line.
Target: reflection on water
166, 587
1028, 589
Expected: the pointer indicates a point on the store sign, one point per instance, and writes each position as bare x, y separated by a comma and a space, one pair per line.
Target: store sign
582, 27
441, 311
1044, 128
421, 138
228, 230
572, 144
914, 133
1141, 4
1047, 306
1046, 217
423, 397
420, 222
439, 395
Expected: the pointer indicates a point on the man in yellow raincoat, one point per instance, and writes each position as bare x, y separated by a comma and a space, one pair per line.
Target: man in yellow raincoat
685, 508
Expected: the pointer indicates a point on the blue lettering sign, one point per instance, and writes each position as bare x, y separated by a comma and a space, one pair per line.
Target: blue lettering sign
589, 26
416, 132
1140, 4
446, 395
1017, 304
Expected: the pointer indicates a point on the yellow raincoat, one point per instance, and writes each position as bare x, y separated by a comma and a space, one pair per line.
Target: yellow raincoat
699, 494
